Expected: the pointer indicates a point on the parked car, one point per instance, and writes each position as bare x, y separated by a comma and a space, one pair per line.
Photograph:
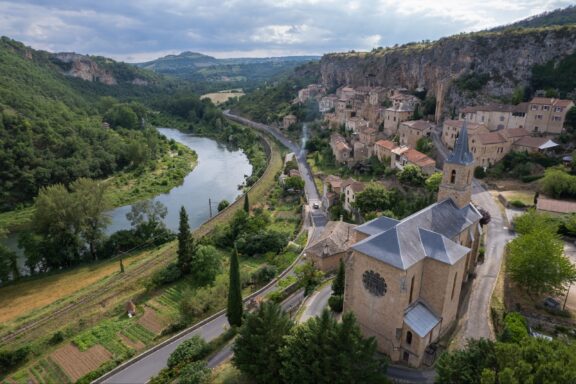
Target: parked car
315, 205
550, 303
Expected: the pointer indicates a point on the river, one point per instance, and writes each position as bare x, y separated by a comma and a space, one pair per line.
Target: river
216, 177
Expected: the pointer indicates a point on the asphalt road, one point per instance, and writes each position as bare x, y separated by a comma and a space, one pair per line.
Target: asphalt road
476, 320
141, 371
316, 303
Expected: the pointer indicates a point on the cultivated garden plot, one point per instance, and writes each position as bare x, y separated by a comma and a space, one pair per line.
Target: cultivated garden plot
76, 363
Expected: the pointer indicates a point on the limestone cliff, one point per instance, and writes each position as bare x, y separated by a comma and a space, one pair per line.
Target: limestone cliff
504, 61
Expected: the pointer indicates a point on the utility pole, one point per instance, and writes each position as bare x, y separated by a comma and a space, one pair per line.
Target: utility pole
210, 206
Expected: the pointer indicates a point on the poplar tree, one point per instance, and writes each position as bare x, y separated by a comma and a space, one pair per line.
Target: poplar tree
234, 311
246, 203
186, 245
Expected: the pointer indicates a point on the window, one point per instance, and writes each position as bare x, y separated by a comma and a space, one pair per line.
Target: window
533, 107
557, 118
545, 107
411, 290
539, 117
408, 337
558, 109
501, 118
454, 286
535, 129
406, 356
453, 176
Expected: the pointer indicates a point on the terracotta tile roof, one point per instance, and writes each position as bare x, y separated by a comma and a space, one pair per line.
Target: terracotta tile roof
400, 150
418, 158
420, 125
557, 206
489, 108
531, 142
342, 146
490, 138
386, 144
513, 133
357, 186
337, 237
458, 124
550, 101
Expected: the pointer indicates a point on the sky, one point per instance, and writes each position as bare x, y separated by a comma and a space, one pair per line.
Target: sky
142, 30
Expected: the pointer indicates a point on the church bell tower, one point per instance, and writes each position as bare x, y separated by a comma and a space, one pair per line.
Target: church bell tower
458, 171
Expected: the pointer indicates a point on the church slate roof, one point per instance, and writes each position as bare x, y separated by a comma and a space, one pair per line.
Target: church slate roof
426, 233
461, 153
420, 319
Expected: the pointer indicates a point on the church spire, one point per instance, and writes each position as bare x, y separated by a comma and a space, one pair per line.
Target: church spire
458, 169
461, 154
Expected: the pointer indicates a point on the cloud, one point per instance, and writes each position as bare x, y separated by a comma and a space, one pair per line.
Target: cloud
146, 29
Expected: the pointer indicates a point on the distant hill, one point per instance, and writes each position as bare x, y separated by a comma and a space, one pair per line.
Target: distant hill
561, 16
224, 73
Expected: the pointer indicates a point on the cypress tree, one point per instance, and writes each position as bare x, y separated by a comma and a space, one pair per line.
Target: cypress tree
338, 283
234, 312
121, 266
185, 243
246, 203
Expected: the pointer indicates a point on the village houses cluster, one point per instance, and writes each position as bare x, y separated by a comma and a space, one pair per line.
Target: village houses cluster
375, 121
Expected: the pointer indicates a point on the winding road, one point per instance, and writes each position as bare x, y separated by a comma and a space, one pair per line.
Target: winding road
142, 368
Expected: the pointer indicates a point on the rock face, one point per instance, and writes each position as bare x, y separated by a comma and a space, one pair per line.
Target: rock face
506, 57
87, 68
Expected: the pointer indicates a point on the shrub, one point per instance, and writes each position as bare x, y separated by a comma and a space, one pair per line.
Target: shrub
517, 204
195, 373
57, 338
515, 328
190, 350
11, 359
479, 173
336, 303
165, 276
264, 274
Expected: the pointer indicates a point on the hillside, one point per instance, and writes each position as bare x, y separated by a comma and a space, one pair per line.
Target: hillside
563, 16
51, 127
208, 73
460, 70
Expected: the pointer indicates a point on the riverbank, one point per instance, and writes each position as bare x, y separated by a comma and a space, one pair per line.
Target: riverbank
101, 303
127, 187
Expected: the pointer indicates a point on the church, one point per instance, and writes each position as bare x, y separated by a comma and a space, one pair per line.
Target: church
404, 277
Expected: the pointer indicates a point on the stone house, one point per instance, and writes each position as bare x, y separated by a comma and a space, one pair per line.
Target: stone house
404, 278
377, 95
451, 130
327, 103
533, 144
394, 116
367, 135
411, 131
340, 148
383, 149
362, 151
346, 93
488, 148
402, 156
547, 115
332, 246
355, 124
289, 120
350, 192
514, 134
496, 116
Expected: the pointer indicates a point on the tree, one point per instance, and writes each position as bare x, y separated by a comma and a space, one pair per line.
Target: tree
246, 203
308, 276
374, 198
570, 120
295, 183
223, 205
467, 365
147, 218
534, 221
338, 283
325, 351
536, 262
257, 347
425, 145
205, 264
90, 195
411, 175
189, 351
515, 328
121, 265
234, 312
433, 181
186, 243
8, 264
195, 373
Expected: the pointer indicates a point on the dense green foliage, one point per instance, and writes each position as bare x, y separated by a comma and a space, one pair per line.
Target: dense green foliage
534, 221
515, 328
323, 350
558, 183
309, 277
556, 74
536, 262
190, 350
522, 165
257, 348
472, 81
186, 243
13, 358
235, 307
376, 199
8, 264
339, 280
532, 360
51, 127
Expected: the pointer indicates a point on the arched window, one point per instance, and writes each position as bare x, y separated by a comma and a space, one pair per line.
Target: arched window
453, 176
408, 337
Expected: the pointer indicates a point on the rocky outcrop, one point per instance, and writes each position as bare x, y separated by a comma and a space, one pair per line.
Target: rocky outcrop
505, 59
90, 69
